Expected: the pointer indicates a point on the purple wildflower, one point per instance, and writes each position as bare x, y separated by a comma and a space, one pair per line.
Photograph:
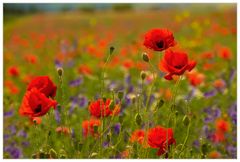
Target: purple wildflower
210, 93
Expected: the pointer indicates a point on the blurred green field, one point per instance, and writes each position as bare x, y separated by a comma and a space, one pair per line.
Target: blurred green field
79, 42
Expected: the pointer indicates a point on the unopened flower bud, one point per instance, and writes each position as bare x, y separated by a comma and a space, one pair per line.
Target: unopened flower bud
112, 105
186, 120
176, 113
60, 71
143, 75
104, 99
111, 49
160, 104
145, 57
204, 148
95, 128
94, 154
138, 119
120, 95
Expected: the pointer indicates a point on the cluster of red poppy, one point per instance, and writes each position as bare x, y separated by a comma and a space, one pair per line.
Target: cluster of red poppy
97, 109
173, 62
222, 126
39, 98
158, 137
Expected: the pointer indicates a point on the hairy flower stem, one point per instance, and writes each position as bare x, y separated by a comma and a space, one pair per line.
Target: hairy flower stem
185, 140
147, 104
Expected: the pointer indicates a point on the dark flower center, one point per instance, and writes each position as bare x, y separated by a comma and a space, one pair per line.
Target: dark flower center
178, 66
38, 109
160, 44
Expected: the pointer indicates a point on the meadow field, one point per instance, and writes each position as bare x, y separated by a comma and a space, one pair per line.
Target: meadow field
101, 85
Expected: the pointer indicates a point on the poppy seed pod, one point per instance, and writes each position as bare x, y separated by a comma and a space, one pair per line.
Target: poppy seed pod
60, 71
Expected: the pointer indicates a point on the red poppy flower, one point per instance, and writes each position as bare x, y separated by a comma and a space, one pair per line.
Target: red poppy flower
195, 78
100, 108
35, 104
175, 63
13, 71
137, 136
161, 138
225, 53
219, 83
218, 136
222, 125
214, 155
64, 130
159, 39
88, 126
44, 85
13, 89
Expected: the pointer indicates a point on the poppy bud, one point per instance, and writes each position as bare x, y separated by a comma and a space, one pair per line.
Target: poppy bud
53, 154
138, 119
160, 103
186, 120
59, 108
120, 95
60, 71
143, 75
112, 105
104, 99
108, 137
111, 49
95, 128
145, 57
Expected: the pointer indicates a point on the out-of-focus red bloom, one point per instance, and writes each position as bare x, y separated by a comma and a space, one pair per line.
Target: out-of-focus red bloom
35, 104
222, 125
128, 63
125, 154
225, 53
13, 89
13, 71
64, 130
159, 39
100, 108
84, 69
88, 127
175, 63
195, 78
30, 58
218, 136
219, 83
214, 155
209, 66
161, 138
44, 85
207, 55
137, 136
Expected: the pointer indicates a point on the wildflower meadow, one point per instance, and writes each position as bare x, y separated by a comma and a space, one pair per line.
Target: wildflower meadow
120, 81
